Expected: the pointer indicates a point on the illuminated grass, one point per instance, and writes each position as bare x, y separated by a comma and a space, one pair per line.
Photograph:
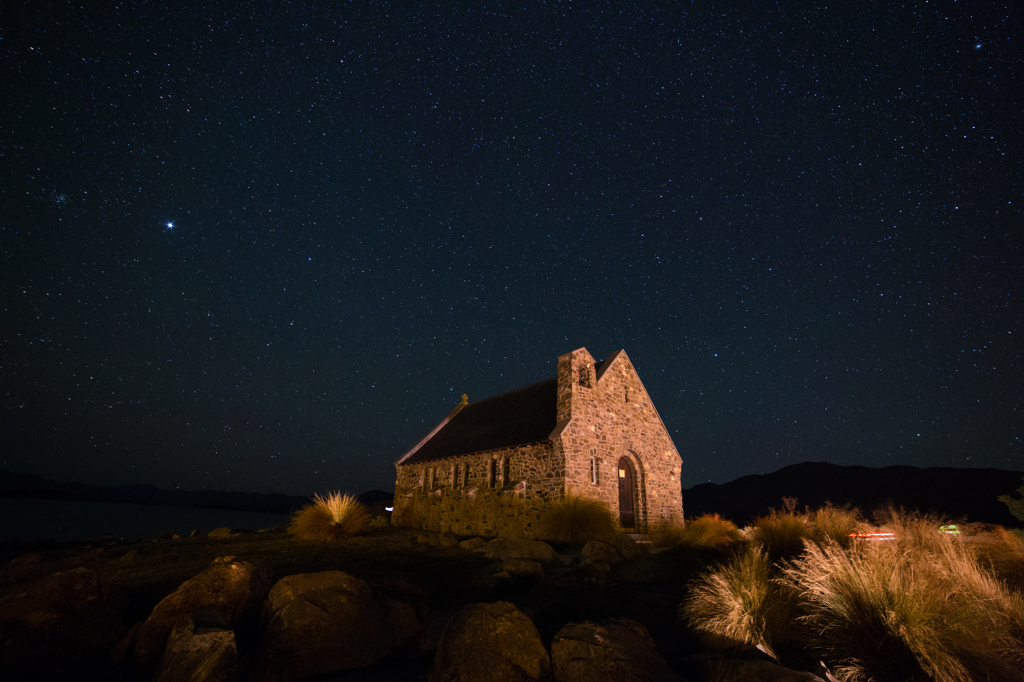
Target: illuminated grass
330, 518
781, 534
923, 606
576, 519
709, 530
920, 607
741, 603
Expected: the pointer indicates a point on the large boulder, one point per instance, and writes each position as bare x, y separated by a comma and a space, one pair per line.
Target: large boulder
617, 650
519, 548
321, 622
494, 642
234, 589
595, 552
57, 624
199, 652
626, 546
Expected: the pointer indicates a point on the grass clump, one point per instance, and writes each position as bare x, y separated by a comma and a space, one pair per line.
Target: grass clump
781, 534
708, 530
741, 603
829, 523
576, 519
923, 606
330, 518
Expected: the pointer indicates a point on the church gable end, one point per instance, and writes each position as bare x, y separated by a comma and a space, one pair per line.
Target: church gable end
614, 438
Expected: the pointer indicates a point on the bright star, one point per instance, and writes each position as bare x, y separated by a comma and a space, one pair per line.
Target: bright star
170, 226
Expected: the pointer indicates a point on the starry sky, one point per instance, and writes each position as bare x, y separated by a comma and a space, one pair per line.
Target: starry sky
267, 249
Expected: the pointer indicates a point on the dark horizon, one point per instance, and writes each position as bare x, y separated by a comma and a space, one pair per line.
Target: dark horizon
268, 251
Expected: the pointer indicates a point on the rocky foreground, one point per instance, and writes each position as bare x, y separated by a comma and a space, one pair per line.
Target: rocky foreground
508, 610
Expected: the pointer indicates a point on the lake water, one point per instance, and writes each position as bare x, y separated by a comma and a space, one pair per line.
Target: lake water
65, 521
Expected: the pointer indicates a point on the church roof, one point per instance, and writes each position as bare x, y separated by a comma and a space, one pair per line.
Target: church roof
519, 417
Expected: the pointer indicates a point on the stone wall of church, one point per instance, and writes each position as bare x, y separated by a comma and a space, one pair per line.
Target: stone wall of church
495, 493
613, 417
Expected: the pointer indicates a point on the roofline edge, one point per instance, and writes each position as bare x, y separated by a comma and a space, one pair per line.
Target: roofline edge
433, 432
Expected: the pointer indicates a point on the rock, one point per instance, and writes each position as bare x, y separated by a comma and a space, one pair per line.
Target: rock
523, 568
321, 622
494, 642
124, 645
594, 552
754, 671
626, 547
471, 544
502, 578
57, 624
617, 650
518, 548
220, 533
234, 589
199, 654
403, 620
437, 539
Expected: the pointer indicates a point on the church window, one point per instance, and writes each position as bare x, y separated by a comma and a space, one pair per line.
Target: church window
593, 470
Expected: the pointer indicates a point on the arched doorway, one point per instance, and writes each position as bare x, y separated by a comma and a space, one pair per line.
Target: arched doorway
627, 485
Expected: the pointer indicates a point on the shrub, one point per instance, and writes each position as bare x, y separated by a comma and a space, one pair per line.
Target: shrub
834, 524
379, 522
1002, 551
920, 607
576, 519
330, 518
709, 530
781, 534
741, 603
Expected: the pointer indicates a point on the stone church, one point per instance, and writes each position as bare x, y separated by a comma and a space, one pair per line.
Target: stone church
492, 466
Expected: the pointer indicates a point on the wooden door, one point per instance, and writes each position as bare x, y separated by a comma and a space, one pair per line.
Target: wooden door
626, 516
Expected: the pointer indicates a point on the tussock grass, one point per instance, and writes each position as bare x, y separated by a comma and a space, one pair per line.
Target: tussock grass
709, 530
921, 607
781, 534
1002, 551
925, 606
829, 523
741, 603
330, 518
576, 519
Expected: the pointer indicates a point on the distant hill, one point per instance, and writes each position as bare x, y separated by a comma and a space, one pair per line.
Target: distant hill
969, 493
15, 485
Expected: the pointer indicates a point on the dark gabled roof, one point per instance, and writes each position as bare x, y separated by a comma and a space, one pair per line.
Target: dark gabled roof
526, 415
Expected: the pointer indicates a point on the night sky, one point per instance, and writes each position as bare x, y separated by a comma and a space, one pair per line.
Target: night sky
267, 250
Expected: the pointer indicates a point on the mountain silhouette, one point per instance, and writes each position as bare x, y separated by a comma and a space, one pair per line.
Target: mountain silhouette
968, 494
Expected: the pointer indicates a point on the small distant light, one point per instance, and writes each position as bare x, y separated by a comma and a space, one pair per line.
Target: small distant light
388, 508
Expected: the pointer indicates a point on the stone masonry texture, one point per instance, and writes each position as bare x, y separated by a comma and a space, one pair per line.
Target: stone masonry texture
604, 415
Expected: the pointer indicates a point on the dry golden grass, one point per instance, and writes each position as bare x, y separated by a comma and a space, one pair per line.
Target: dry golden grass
709, 530
781, 534
834, 524
576, 519
1002, 551
920, 607
330, 518
925, 606
741, 603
